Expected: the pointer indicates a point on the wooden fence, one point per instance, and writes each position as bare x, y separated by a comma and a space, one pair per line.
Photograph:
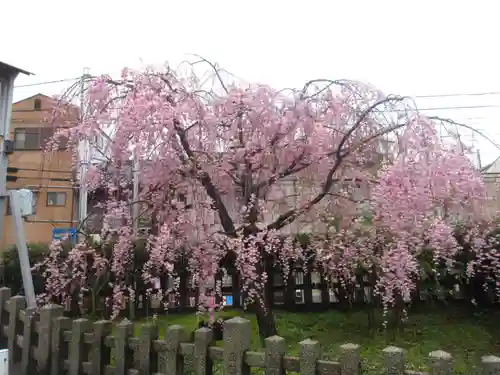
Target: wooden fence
45, 342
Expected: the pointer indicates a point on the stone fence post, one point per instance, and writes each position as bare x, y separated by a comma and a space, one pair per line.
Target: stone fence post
43, 352
237, 334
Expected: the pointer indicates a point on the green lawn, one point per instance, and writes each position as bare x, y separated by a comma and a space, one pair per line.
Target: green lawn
465, 335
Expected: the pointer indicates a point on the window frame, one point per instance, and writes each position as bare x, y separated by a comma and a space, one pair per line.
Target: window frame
37, 105
27, 132
44, 133
34, 206
57, 205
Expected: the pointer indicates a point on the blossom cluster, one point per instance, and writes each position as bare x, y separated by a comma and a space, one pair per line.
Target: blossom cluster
223, 176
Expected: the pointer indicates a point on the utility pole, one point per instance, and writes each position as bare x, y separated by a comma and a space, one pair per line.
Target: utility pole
83, 151
135, 219
8, 75
16, 199
135, 194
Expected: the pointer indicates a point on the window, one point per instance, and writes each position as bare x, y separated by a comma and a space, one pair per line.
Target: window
38, 105
227, 281
315, 278
278, 279
316, 296
279, 297
332, 296
35, 138
56, 199
35, 201
299, 296
299, 277
209, 282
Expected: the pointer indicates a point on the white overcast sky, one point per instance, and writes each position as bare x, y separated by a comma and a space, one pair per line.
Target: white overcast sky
403, 47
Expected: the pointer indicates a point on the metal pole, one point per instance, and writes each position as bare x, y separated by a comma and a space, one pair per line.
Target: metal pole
6, 95
135, 206
22, 249
84, 162
135, 219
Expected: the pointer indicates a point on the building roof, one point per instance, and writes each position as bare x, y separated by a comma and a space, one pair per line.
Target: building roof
32, 96
7, 68
488, 166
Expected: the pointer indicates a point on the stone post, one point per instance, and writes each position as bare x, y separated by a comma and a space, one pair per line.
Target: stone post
440, 363
28, 364
59, 347
172, 363
310, 353
350, 360
275, 351
100, 355
78, 352
203, 365
145, 356
394, 361
14, 306
123, 353
491, 365
48, 314
237, 337
5, 294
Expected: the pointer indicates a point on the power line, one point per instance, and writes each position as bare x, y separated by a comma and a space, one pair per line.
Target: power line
447, 108
458, 94
416, 96
47, 82
486, 93
458, 107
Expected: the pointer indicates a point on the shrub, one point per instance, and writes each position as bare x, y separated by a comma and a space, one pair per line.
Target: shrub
11, 267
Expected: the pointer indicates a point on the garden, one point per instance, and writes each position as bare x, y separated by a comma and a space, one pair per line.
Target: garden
311, 212
439, 318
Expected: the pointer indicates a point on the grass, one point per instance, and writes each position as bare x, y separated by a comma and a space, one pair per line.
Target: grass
466, 335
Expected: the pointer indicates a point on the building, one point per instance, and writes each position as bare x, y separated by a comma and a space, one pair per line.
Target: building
284, 194
491, 178
48, 174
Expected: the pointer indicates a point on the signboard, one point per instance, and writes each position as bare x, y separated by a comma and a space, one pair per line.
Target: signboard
4, 362
60, 233
227, 300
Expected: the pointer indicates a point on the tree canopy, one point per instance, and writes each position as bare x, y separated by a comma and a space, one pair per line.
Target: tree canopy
238, 170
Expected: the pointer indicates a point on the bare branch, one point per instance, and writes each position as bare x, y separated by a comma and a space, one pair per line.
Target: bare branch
450, 121
206, 181
214, 68
340, 153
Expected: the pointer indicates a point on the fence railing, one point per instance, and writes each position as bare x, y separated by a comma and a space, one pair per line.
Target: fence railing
45, 342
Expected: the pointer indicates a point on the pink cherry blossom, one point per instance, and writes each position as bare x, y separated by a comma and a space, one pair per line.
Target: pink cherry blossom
233, 173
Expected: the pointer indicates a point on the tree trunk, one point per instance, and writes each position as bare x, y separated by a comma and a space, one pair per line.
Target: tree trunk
264, 314
265, 321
